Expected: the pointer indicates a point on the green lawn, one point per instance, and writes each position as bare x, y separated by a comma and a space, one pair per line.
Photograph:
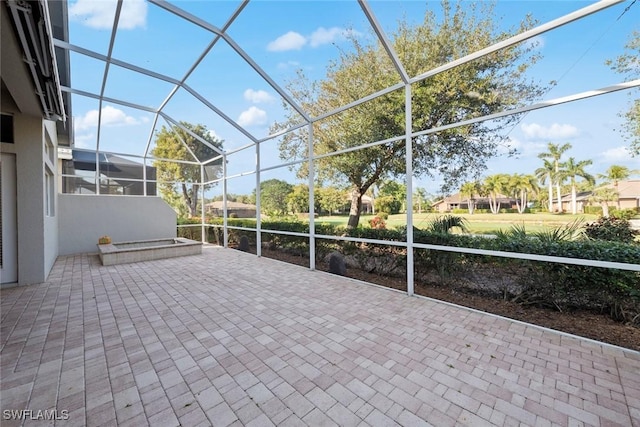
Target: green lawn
478, 223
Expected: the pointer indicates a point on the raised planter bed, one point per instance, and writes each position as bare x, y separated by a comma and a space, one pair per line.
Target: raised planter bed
147, 250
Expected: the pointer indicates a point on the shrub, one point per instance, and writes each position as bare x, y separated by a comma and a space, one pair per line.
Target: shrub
377, 223
387, 204
594, 210
624, 213
611, 229
384, 215
233, 215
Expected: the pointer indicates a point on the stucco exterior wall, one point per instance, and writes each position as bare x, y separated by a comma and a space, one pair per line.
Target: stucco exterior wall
37, 234
84, 218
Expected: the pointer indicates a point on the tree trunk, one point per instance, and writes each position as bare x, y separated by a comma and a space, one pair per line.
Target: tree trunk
605, 209
550, 195
574, 204
559, 197
523, 202
354, 212
618, 201
494, 204
470, 206
191, 200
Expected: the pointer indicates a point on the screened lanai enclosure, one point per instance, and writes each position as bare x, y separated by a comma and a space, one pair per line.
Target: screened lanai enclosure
202, 100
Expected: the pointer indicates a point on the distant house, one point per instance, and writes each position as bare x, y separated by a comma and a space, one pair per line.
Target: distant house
367, 204
582, 200
457, 201
628, 196
240, 210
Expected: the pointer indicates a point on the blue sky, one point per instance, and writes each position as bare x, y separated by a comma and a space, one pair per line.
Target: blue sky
282, 37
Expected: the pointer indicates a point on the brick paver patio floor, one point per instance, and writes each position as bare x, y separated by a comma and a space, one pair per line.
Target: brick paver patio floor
226, 338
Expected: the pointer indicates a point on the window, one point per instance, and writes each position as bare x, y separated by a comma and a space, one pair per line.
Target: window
49, 191
6, 128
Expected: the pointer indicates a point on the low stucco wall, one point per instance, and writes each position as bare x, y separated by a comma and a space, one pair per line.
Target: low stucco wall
83, 219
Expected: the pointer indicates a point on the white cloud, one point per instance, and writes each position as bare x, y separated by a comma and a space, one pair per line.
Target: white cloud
253, 117
288, 64
321, 36
257, 96
289, 41
523, 148
100, 14
617, 154
87, 140
555, 131
325, 36
214, 135
110, 117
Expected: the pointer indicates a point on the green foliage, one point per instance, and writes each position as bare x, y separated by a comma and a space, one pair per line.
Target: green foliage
593, 210
384, 215
180, 183
387, 204
330, 199
625, 213
443, 224
298, 199
627, 64
495, 186
567, 232
397, 191
611, 229
273, 197
487, 85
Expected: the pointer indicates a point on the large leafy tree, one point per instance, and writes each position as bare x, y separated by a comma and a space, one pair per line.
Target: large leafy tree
488, 85
274, 195
572, 170
330, 199
627, 64
298, 199
180, 183
397, 191
554, 155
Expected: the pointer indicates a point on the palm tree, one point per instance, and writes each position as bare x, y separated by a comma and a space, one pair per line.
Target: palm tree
520, 186
573, 169
495, 185
555, 154
419, 197
545, 176
469, 190
617, 173
603, 196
